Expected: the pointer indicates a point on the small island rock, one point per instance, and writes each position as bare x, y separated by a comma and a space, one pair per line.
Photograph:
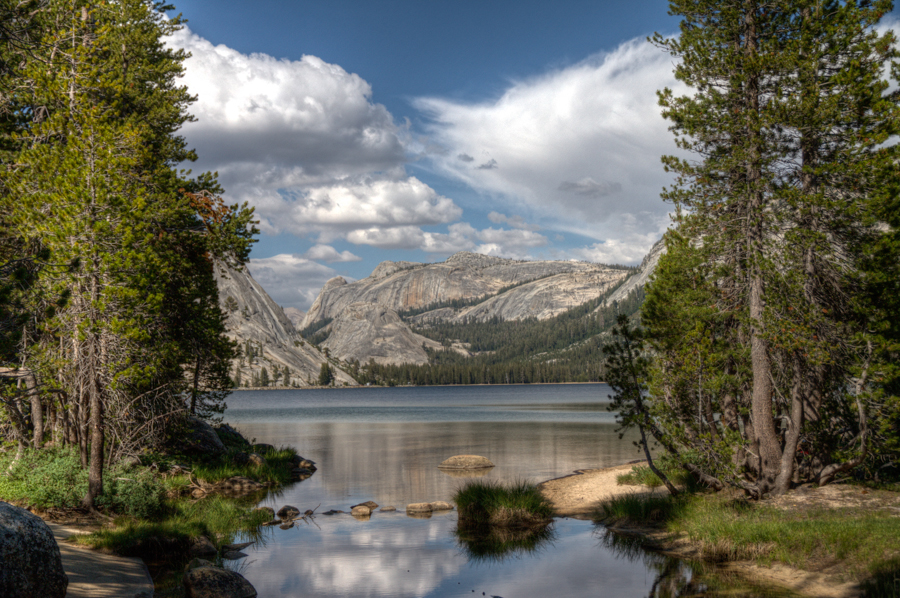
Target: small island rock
466, 462
288, 512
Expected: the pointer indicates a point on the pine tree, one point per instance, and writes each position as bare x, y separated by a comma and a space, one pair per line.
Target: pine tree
786, 119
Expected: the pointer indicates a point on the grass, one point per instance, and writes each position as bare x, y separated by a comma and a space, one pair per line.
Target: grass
518, 504
860, 543
643, 475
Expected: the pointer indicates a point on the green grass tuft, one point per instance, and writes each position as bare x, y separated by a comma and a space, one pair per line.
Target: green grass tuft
859, 541
492, 503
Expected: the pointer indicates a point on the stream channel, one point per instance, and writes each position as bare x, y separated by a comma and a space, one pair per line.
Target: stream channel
384, 445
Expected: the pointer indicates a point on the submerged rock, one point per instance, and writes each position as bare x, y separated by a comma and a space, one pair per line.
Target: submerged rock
212, 582
466, 462
30, 564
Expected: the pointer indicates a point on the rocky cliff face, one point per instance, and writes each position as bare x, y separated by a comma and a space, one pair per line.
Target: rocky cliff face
254, 319
642, 275
365, 313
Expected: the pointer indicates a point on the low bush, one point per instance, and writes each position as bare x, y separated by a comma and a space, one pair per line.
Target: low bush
53, 479
493, 503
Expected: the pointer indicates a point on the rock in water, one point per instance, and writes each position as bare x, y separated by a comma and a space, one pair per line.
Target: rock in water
30, 565
212, 582
369, 503
466, 462
288, 512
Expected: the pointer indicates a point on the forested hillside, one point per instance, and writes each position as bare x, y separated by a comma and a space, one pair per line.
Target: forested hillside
565, 348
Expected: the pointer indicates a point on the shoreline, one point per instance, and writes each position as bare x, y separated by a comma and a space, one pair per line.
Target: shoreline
577, 495
407, 386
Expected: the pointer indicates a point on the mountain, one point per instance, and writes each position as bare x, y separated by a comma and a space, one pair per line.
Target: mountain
265, 334
294, 315
370, 318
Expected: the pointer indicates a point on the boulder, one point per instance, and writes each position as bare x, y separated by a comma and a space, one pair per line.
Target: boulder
230, 437
299, 472
419, 507
288, 512
201, 545
388, 508
360, 511
440, 505
197, 562
199, 438
30, 565
369, 503
466, 462
240, 458
256, 459
212, 582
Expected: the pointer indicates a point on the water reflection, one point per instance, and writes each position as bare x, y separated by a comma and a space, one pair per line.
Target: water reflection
675, 578
386, 446
496, 544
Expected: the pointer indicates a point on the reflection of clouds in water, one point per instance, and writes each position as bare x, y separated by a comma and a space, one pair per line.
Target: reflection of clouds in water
350, 558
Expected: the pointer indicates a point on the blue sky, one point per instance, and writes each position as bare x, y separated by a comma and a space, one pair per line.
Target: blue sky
409, 130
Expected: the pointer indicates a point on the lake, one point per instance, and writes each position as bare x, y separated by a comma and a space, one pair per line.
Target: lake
384, 445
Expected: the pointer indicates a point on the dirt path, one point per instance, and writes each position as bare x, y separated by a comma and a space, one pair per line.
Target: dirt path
579, 494
94, 574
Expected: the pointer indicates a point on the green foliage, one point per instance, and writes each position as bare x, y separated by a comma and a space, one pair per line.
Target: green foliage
861, 542
772, 303
326, 375
486, 503
54, 479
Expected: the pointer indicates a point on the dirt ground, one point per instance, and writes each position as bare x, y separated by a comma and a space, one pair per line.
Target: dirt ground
578, 495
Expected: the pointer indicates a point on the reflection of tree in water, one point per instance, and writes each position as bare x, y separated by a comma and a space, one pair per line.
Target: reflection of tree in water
496, 543
676, 578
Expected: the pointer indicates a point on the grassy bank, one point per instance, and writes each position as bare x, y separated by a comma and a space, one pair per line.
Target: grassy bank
157, 508
853, 542
492, 503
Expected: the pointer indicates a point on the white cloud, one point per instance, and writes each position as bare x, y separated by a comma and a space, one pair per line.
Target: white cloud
291, 281
327, 253
302, 141
578, 147
460, 237
637, 234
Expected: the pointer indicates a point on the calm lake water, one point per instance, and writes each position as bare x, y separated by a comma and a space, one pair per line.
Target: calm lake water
384, 444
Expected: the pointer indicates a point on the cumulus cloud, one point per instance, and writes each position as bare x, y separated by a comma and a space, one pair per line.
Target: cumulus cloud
578, 146
291, 280
303, 142
461, 236
513, 221
327, 253
489, 165
637, 234
465, 158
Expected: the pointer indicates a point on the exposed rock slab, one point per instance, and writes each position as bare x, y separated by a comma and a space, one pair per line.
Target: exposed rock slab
466, 462
363, 332
253, 316
365, 314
